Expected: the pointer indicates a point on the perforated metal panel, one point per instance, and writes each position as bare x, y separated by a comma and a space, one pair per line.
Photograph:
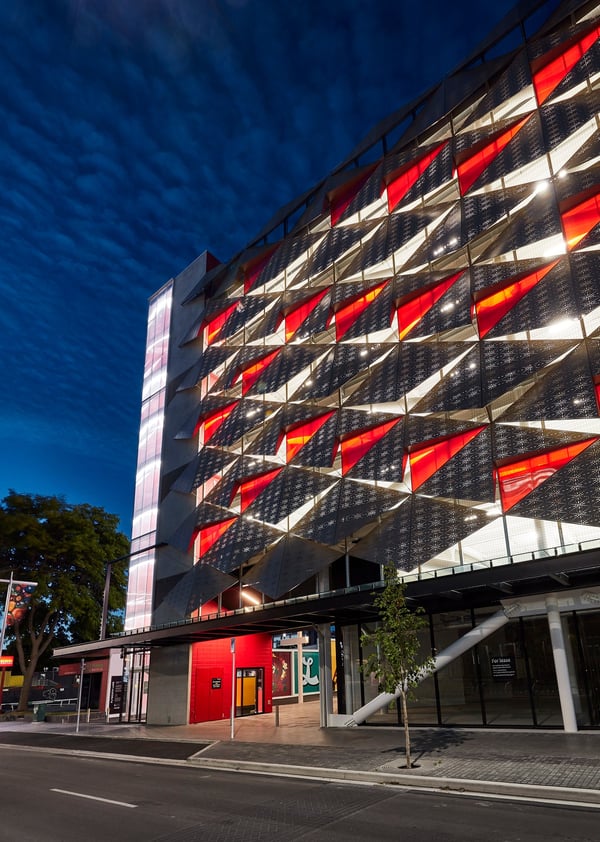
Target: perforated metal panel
471, 306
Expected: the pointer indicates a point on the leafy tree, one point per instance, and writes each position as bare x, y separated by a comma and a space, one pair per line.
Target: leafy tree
395, 659
65, 549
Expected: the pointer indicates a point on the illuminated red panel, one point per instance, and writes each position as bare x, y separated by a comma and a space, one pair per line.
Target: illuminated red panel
579, 221
597, 390
249, 489
520, 478
209, 535
470, 169
356, 445
495, 305
411, 309
340, 198
300, 434
552, 74
400, 181
212, 422
254, 369
253, 269
349, 311
296, 317
213, 326
428, 457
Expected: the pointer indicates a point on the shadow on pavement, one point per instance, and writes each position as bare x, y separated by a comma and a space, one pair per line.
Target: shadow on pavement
430, 742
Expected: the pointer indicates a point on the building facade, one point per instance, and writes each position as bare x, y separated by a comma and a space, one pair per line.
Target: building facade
403, 367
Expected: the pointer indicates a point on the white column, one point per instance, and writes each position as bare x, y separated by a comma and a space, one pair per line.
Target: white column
560, 665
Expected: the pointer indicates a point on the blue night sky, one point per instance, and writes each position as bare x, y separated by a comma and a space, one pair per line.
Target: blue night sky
136, 134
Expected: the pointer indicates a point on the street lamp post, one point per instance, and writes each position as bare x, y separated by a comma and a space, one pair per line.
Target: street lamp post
82, 670
109, 564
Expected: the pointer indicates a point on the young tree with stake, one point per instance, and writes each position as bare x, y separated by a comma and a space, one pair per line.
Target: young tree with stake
396, 660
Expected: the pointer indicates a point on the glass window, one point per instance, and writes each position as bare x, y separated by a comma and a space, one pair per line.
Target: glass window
458, 682
584, 663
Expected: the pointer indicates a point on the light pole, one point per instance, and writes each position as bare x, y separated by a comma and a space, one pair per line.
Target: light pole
12, 581
80, 694
233, 688
109, 564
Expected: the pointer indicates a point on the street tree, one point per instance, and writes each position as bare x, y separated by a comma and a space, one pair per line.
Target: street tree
65, 549
395, 657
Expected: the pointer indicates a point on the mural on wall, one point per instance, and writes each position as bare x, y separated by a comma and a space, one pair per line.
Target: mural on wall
310, 672
285, 672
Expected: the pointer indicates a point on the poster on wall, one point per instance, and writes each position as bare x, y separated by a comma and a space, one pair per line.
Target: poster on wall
282, 674
117, 694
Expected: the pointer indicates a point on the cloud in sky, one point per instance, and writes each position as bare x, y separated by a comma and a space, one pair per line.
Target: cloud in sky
135, 135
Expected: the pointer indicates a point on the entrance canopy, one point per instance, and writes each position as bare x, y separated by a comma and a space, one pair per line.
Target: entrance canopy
473, 585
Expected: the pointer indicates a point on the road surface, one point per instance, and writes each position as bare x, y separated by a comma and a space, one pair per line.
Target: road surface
47, 798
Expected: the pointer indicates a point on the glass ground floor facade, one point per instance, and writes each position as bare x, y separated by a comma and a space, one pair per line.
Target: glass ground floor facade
507, 680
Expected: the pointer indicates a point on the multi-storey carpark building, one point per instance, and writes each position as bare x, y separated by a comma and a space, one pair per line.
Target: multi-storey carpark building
403, 367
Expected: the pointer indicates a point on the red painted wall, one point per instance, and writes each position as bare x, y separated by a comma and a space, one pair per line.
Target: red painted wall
212, 660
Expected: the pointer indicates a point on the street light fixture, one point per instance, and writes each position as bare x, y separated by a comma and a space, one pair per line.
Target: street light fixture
109, 564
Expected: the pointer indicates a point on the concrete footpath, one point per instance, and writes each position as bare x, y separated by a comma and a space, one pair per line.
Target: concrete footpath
547, 765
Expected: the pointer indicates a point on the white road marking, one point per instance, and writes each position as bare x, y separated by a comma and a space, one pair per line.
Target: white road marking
93, 797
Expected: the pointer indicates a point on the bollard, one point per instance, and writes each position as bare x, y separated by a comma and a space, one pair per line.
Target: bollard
277, 716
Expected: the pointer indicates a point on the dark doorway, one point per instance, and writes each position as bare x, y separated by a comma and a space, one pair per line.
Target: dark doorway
90, 691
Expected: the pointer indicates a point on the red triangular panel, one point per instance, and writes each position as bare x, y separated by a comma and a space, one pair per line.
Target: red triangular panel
296, 317
213, 326
470, 169
349, 311
411, 309
597, 390
579, 221
212, 422
554, 71
253, 370
300, 434
400, 181
340, 198
249, 489
495, 305
355, 446
518, 479
209, 535
428, 457
254, 267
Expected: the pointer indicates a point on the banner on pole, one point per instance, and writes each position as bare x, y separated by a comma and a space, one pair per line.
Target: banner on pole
20, 595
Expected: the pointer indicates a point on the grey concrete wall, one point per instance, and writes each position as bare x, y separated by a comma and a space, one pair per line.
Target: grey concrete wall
168, 686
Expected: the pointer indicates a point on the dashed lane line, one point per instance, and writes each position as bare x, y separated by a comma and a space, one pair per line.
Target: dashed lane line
93, 797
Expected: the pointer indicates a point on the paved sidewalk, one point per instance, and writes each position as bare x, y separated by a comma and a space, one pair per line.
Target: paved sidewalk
546, 764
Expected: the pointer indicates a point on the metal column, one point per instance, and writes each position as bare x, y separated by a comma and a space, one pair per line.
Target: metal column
325, 679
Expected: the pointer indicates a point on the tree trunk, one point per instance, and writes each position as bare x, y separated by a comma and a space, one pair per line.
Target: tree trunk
27, 682
39, 644
406, 731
